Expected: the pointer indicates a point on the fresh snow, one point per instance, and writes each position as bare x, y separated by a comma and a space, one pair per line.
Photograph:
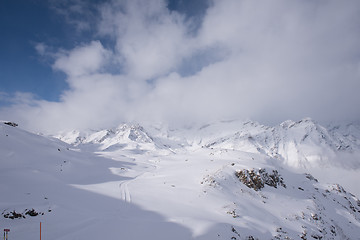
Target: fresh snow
155, 182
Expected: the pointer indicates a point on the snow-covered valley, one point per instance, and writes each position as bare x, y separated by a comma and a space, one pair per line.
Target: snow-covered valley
224, 180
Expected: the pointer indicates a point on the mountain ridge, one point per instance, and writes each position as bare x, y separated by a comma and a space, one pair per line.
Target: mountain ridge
213, 181
300, 143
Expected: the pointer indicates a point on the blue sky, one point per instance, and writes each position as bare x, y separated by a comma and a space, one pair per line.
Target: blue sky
22, 25
65, 64
25, 23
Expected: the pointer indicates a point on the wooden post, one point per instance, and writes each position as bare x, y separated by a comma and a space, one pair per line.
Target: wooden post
40, 230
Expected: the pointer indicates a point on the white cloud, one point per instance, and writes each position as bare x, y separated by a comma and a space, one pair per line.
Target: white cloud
83, 60
269, 61
150, 39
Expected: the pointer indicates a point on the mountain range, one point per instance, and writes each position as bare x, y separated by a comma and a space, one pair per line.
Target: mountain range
222, 180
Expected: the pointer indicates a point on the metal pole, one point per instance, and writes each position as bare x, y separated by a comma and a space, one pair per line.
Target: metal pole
6, 233
40, 230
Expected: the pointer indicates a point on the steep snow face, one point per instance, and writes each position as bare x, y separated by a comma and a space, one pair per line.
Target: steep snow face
304, 143
299, 144
348, 136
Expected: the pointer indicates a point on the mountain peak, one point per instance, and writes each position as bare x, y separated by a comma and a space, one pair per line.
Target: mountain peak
291, 123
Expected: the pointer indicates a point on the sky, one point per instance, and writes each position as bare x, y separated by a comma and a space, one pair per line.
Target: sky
76, 64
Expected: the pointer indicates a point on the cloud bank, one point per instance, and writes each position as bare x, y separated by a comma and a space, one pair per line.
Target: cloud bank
264, 60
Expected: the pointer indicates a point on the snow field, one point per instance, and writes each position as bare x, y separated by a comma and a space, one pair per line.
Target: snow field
128, 183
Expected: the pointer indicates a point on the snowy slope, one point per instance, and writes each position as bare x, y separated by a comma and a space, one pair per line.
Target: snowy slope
50, 177
154, 182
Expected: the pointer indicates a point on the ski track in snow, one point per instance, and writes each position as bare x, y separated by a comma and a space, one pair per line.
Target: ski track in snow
125, 193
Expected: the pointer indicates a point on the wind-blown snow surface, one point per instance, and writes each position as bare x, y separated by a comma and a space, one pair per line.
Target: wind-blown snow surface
153, 182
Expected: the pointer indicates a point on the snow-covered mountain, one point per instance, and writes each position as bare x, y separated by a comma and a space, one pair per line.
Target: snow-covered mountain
123, 137
299, 144
224, 180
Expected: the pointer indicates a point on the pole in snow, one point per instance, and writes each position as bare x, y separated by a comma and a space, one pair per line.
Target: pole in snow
40, 230
6, 231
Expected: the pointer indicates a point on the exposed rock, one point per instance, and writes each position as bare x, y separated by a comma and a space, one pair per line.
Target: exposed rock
257, 179
11, 124
13, 214
31, 213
